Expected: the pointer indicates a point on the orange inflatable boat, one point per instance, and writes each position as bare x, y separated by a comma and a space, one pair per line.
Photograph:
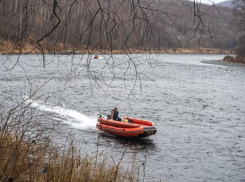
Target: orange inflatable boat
128, 127
96, 57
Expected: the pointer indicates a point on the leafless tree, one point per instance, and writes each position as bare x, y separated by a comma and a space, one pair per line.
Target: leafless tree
239, 13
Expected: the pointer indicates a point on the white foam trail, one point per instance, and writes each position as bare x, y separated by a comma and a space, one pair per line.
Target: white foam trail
69, 116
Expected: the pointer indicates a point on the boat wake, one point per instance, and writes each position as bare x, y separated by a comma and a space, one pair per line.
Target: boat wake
68, 116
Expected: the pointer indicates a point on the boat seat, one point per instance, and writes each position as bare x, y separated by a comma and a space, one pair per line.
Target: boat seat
128, 121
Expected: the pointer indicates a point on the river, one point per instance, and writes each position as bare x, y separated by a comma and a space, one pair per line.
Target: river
198, 109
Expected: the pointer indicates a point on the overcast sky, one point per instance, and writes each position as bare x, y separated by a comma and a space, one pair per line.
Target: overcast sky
210, 1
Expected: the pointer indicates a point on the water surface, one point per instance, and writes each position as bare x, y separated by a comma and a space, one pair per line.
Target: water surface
198, 108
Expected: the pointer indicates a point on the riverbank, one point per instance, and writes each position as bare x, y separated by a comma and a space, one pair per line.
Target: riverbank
50, 48
23, 160
223, 63
29, 154
99, 52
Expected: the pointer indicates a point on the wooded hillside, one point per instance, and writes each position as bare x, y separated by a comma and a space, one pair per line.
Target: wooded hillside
55, 25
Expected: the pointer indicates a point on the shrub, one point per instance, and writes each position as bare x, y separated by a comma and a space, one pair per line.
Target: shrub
28, 154
229, 59
240, 50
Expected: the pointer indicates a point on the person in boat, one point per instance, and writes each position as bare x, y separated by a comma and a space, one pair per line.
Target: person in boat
115, 114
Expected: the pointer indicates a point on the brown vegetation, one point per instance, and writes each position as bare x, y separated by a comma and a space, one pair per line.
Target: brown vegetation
240, 51
229, 59
236, 59
48, 47
27, 154
239, 13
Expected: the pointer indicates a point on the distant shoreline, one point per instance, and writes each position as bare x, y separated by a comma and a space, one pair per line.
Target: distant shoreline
9, 50
223, 63
107, 53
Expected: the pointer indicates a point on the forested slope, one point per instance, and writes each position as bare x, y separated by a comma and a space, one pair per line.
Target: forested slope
87, 25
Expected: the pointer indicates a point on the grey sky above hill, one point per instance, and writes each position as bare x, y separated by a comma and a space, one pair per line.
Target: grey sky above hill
227, 3
210, 1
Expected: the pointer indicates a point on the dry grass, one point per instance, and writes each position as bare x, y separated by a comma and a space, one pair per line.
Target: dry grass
48, 47
28, 155
231, 59
240, 59
173, 51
